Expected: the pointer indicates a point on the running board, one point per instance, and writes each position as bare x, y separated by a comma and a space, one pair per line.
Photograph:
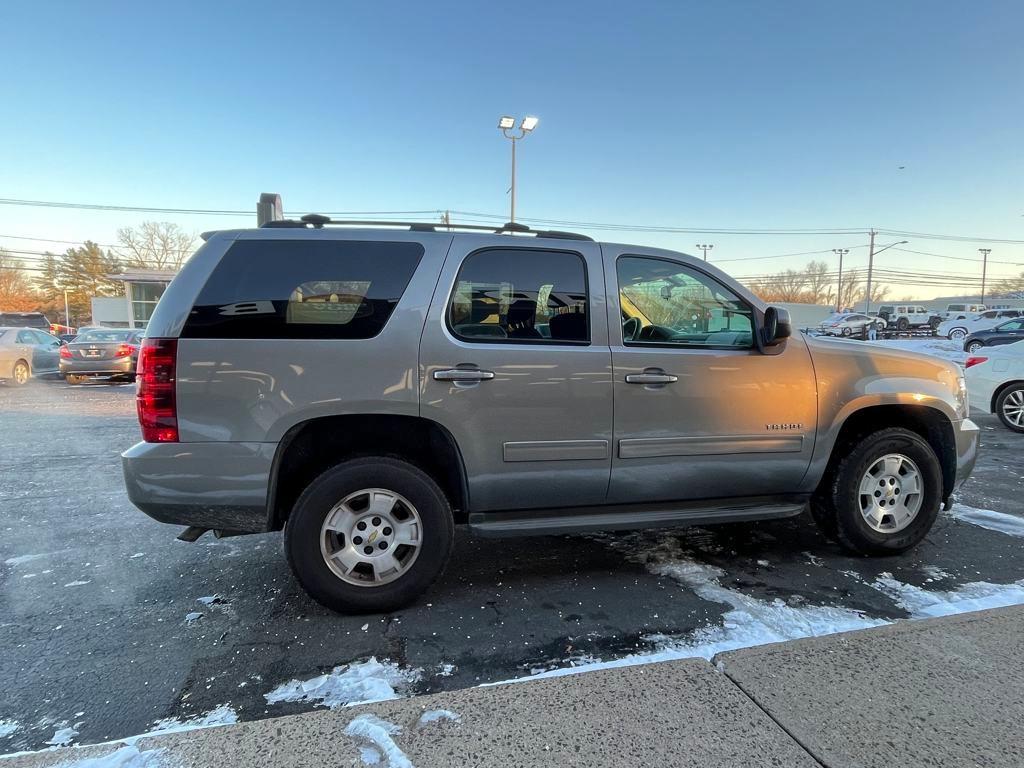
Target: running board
619, 517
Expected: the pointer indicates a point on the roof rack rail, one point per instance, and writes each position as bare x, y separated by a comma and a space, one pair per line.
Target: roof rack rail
317, 221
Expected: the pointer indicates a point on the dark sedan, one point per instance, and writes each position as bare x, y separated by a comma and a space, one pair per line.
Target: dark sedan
1005, 333
107, 353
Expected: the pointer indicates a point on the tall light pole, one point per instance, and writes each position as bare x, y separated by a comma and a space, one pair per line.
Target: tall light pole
705, 247
67, 313
839, 287
984, 269
871, 265
507, 125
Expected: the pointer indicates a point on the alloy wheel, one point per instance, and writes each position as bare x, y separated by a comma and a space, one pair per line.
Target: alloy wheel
371, 537
891, 493
1013, 407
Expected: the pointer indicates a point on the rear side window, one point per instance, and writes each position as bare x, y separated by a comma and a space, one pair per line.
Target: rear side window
521, 295
303, 289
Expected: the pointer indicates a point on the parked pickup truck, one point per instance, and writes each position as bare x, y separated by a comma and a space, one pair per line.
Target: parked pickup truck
367, 390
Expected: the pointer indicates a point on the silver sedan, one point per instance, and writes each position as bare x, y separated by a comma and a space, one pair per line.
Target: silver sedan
27, 352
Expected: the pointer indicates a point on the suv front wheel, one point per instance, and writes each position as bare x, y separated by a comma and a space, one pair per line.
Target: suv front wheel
883, 497
370, 534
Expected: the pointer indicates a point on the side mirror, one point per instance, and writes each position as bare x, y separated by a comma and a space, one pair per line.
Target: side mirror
777, 326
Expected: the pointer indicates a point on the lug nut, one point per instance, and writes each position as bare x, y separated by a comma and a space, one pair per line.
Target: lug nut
386, 531
368, 550
376, 521
361, 526
383, 545
357, 540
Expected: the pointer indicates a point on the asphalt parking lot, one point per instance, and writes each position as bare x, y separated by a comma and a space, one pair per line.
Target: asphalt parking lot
109, 625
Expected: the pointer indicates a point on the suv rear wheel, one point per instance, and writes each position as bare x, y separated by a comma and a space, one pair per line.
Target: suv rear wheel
882, 498
370, 534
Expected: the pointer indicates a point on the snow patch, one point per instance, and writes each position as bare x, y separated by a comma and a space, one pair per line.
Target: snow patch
125, 757
974, 596
356, 683
222, 715
211, 600
22, 559
749, 622
78, 583
986, 518
433, 715
192, 618
377, 737
62, 737
944, 348
7, 727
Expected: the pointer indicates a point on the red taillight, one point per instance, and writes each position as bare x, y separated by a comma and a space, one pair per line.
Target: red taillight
65, 352
974, 361
158, 413
125, 350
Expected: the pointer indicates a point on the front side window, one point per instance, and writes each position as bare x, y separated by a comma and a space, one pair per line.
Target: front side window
26, 337
303, 289
1011, 325
663, 302
521, 295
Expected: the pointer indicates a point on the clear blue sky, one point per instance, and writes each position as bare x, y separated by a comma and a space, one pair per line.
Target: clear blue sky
724, 114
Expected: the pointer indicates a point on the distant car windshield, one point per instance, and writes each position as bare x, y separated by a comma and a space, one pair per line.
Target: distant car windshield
106, 336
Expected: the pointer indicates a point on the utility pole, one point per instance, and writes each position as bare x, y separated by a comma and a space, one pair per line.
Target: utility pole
984, 269
705, 247
67, 313
871, 264
839, 287
446, 219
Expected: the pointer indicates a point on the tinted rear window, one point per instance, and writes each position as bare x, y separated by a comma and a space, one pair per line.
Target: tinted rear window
303, 289
98, 337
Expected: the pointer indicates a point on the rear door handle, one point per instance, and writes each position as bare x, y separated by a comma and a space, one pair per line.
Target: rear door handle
650, 378
463, 374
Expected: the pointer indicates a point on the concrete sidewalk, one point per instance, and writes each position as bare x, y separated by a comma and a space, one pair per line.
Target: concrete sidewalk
946, 691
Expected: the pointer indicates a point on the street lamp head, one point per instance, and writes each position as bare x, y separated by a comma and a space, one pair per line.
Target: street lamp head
528, 124
506, 122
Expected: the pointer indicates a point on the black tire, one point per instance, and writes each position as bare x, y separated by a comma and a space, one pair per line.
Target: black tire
836, 505
846, 330
934, 322
1001, 401
303, 530
973, 347
902, 325
20, 374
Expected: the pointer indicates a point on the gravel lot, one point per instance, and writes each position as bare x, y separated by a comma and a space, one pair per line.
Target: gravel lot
104, 632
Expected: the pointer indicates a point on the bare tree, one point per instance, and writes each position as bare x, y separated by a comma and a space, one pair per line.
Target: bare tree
155, 245
819, 283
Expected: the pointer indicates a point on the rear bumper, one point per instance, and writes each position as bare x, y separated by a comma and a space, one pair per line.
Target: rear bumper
117, 366
222, 486
967, 435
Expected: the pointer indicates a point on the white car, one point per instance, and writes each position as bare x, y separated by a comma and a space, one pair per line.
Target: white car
960, 328
995, 383
849, 324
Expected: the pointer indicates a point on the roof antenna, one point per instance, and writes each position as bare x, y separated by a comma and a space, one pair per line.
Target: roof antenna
316, 220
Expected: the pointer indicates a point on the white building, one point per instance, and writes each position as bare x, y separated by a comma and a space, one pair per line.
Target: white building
142, 290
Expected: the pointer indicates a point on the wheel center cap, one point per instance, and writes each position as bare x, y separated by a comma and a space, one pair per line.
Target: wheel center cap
372, 537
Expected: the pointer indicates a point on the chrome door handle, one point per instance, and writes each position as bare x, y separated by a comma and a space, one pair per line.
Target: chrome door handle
463, 374
650, 378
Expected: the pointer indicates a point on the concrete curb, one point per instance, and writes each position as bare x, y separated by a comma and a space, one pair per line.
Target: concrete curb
947, 691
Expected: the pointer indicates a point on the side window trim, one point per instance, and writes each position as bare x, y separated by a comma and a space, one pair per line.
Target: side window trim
544, 342
683, 346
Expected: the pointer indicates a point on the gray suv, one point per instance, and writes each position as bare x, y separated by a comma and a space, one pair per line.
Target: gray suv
368, 389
